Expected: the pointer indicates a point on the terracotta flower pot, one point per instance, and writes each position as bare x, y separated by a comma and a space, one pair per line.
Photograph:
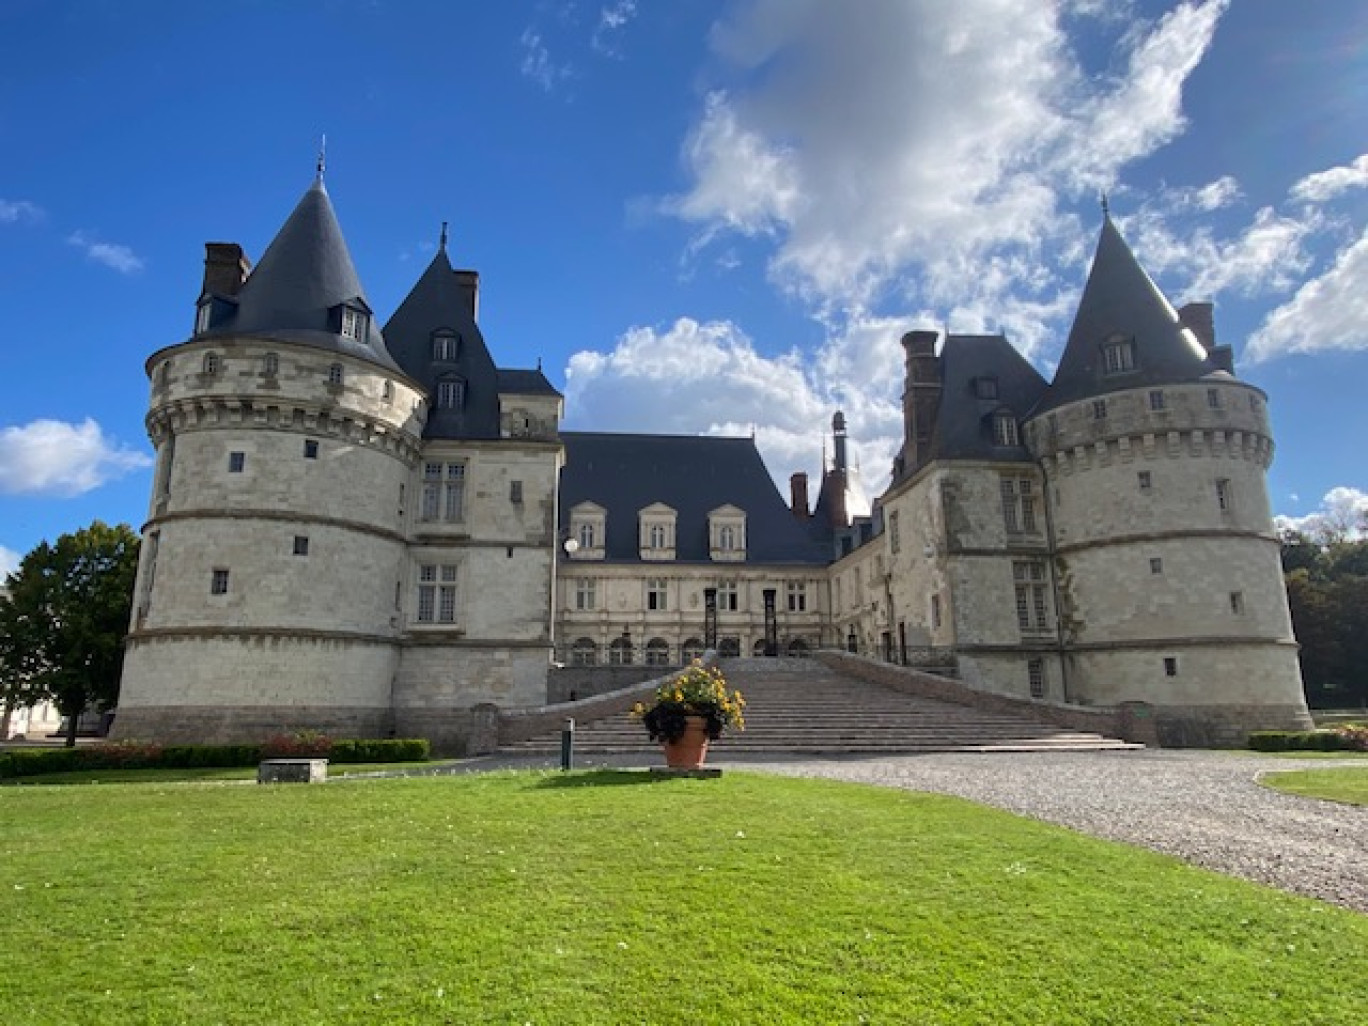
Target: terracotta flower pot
691, 748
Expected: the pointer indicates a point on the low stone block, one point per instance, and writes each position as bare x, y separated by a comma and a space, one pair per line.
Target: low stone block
292, 771
705, 773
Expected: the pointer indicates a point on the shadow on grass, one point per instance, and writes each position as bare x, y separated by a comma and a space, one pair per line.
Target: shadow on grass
599, 778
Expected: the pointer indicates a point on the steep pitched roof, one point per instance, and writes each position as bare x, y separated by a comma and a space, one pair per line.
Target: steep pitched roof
525, 382
981, 376
1120, 301
305, 274
625, 473
439, 301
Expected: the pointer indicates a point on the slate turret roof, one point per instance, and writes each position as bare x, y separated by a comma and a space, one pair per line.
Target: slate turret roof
694, 475
1120, 301
295, 291
440, 302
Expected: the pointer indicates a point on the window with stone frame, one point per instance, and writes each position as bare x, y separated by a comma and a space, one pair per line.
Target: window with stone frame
728, 598
1224, 500
1032, 596
584, 652
445, 346
353, 323
691, 649
894, 542
1099, 408
586, 536
727, 534
218, 582
586, 594
335, 374
1019, 509
213, 363
270, 365
437, 593
657, 594
1035, 675
443, 492
620, 652
797, 596
451, 393
1118, 355
657, 652
1005, 429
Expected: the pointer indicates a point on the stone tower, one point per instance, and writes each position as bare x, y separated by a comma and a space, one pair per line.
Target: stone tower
274, 554
1154, 455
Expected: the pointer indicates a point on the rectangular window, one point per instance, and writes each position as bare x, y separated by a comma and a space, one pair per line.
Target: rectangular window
453, 506
446, 596
894, 542
1118, 357
656, 594
432, 490
351, 323
657, 537
1156, 399
1005, 430
797, 597
1018, 505
236, 461
727, 599
437, 593
1146, 481
935, 611
1214, 398
301, 545
1237, 605
1156, 565
1035, 673
1223, 495
586, 594
451, 394
310, 449
427, 593
1032, 602
1099, 409
1170, 666
218, 583
515, 492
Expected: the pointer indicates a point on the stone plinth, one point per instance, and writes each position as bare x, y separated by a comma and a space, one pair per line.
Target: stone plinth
292, 771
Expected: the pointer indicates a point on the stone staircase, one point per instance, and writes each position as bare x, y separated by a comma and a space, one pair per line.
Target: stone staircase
798, 706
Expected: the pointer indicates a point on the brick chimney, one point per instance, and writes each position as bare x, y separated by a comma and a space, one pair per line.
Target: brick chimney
921, 397
798, 490
225, 268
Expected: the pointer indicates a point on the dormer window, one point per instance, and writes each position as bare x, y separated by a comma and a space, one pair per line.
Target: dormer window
986, 388
588, 531
353, 323
656, 532
1005, 431
451, 394
446, 345
727, 534
1118, 355
203, 316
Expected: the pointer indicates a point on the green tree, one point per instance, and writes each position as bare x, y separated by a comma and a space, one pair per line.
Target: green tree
63, 623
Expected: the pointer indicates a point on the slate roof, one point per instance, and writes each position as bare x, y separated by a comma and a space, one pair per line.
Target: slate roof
624, 473
525, 382
1120, 299
305, 273
964, 421
439, 301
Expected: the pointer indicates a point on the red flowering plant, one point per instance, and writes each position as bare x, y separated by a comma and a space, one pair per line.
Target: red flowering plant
697, 690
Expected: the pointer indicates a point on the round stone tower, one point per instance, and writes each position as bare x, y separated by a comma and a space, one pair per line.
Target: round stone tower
274, 550
1170, 586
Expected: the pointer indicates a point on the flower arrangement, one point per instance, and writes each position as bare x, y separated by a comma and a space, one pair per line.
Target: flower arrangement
697, 690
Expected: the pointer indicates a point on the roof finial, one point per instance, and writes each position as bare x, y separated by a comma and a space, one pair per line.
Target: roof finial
322, 159
1106, 209
441, 242
539, 363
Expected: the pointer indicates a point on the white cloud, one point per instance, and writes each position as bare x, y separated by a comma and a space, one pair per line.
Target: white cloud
119, 257
1342, 511
19, 210
1213, 196
1328, 312
914, 144
52, 457
537, 64
611, 19
1324, 185
9, 562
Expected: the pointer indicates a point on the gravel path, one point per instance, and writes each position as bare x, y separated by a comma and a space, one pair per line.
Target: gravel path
1202, 807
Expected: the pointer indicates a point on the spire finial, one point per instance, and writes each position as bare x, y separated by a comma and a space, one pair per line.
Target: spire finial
442, 241
322, 158
1106, 209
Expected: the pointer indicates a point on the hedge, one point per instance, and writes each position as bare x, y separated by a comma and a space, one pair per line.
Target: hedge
29, 762
1333, 740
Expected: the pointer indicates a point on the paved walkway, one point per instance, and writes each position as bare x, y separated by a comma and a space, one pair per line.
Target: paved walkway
1203, 807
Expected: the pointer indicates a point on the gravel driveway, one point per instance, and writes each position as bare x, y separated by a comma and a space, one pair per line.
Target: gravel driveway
1203, 807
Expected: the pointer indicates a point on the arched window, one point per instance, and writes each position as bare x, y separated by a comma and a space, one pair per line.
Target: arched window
798, 647
584, 652
730, 646
270, 365
335, 374
758, 649
691, 650
620, 652
657, 652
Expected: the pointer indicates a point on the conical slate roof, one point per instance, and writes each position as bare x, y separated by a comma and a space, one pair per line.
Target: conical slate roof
1120, 302
302, 280
438, 303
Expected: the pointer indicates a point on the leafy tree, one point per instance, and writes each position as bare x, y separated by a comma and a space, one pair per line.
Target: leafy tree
1327, 591
63, 623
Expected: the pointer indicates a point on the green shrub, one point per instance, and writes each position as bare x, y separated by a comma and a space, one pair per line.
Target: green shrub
1301, 741
380, 750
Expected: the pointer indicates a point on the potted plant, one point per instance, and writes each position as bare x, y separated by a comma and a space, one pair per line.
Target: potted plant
690, 709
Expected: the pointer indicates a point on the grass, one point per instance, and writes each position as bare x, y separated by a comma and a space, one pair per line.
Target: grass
190, 774
608, 897
1345, 784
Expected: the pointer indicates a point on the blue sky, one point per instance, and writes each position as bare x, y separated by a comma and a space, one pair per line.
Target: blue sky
698, 215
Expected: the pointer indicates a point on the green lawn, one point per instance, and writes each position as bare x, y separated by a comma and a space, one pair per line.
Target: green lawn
1345, 784
609, 897
185, 775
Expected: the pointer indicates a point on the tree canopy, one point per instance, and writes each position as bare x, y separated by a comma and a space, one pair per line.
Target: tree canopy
1327, 590
63, 622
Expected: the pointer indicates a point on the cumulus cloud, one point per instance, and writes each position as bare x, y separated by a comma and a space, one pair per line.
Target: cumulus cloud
19, 210
1324, 185
120, 258
9, 562
1328, 312
52, 457
1343, 512
913, 144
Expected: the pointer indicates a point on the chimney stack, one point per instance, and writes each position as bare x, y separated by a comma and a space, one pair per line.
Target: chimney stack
798, 490
921, 397
1198, 318
225, 268
469, 283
